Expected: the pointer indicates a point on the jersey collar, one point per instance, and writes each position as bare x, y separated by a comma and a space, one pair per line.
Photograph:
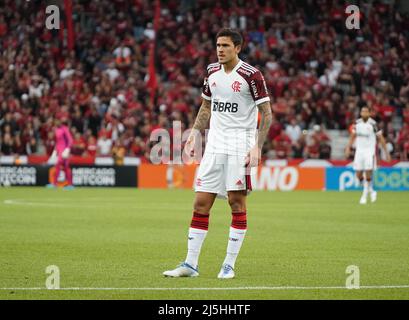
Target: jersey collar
234, 69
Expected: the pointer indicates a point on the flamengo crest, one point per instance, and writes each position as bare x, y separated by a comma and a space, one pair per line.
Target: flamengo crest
236, 86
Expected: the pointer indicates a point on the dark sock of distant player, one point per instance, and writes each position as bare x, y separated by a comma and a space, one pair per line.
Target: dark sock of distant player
57, 173
68, 173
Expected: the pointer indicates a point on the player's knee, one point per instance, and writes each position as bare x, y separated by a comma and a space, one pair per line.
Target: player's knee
201, 207
368, 176
237, 205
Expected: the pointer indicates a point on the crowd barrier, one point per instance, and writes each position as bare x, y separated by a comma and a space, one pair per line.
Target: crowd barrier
267, 177
82, 175
280, 178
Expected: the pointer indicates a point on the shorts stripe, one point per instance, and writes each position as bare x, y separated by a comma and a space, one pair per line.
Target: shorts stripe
248, 183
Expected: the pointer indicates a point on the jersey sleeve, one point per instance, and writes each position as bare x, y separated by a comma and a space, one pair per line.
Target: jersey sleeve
206, 93
258, 88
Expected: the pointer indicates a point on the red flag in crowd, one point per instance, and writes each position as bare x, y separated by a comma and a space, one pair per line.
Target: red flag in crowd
152, 83
70, 27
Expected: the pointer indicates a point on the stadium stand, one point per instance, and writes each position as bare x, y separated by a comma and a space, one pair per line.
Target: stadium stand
317, 71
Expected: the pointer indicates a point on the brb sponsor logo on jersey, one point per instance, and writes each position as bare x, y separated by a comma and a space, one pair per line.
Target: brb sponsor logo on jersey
221, 106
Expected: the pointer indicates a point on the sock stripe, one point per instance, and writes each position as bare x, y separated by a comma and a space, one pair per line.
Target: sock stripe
239, 220
197, 223
199, 227
200, 215
200, 221
237, 214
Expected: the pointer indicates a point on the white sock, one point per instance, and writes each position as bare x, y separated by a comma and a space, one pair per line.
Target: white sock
365, 187
370, 186
194, 244
236, 237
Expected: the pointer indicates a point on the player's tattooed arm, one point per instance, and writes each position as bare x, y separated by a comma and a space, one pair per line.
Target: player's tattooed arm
265, 122
349, 145
201, 122
254, 155
203, 116
384, 147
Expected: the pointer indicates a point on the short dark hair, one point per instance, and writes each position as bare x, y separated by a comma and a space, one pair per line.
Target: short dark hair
233, 34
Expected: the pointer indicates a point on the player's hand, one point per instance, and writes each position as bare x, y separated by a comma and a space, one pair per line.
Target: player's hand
53, 157
190, 145
388, 157
66, 153
253, 157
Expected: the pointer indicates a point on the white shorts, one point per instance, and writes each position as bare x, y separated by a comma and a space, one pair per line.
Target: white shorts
219, 173
364, 162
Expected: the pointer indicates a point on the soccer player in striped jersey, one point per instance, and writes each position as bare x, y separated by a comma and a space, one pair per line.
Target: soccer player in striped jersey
233, 94
365, 133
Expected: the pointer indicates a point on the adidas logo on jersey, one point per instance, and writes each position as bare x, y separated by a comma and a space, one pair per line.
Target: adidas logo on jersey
239, 183
213, 84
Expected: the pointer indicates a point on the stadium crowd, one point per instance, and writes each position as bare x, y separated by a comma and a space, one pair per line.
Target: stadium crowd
318, 72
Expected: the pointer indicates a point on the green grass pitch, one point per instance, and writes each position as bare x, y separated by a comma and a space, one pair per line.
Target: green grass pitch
126, 238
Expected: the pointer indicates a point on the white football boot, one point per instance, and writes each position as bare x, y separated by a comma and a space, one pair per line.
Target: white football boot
363, 199
373, 196
226, 272
183, 270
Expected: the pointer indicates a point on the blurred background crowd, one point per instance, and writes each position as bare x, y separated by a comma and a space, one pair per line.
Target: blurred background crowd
318, 72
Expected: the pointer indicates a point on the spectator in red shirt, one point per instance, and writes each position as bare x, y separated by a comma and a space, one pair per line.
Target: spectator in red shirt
275, 128
312, 149
18, 146
91, 147
78, 145
282, 145
50, 143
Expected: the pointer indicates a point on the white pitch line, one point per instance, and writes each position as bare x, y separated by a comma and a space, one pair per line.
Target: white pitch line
210, 288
